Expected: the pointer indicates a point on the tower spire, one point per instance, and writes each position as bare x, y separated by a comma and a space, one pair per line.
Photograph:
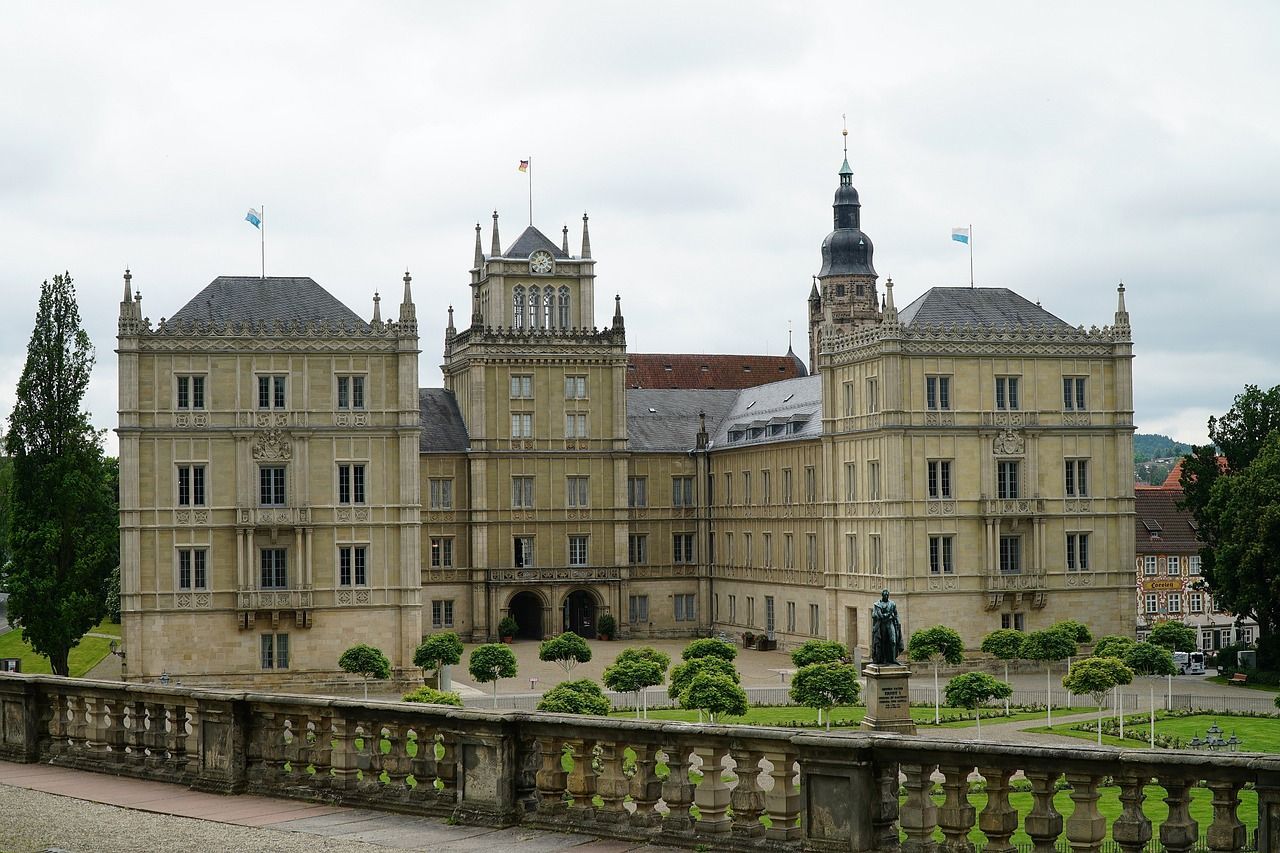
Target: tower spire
478, 261
407, 311
586, 237
128, 287
564, 241
495, 248
1122, 314
377, 309
844, 168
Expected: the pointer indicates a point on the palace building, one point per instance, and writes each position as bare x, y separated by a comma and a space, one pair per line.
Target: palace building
287, 488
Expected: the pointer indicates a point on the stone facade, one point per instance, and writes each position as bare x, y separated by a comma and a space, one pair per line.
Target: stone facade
971, 453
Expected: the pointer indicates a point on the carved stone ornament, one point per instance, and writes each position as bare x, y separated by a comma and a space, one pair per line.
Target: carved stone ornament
1009, 443
272, 446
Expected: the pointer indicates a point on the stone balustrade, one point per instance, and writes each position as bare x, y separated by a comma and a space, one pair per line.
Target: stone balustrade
715, 787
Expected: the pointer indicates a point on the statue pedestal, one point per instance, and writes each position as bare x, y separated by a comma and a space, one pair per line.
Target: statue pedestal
888, 700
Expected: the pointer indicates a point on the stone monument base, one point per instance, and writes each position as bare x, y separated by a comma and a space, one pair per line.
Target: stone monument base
888, 699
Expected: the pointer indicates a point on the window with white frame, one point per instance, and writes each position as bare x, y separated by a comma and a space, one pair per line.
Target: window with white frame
686, 609
1149, 564
1193, 564
521, 425
191, 485
770, 616
1077, 478
350, 392
441, 552
1195, 602
190, 392
1077, 552
941, 549
272, 391
1174, 600
1016, 621
873, 395
682, 491
563, 307
1073, 393
637, 492
937, 393
521, 386
682, 548
523, 551
1173, 564
517, 306
353, 565
577, 550
273, 568
275, 651
351, 483
1153, 603
638, 609
193, 569
1010, 555
271, 490
1007, 479
575, 387
1007, 393
939, 475
575, 425
579, 491
522, 493
441, 493
442, 613
638, 549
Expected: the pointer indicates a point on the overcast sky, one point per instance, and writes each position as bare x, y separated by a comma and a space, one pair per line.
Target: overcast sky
1087, 145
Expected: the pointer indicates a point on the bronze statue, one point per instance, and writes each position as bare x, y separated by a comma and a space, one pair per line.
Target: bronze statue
886, 632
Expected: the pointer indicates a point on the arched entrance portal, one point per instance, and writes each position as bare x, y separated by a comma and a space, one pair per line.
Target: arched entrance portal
580, 613
526, 609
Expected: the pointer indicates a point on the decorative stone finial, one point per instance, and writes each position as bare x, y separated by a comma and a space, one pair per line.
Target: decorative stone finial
478, 261
890, 312
495, 246
377, 308
1122, 315
586, 237
408, 314
564, 242
128, 284
617, 312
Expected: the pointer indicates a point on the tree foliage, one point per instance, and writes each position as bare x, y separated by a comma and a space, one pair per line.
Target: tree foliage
1112, 646
491, 662
972, 690
1174, 636
6, 497
365, 661
1047, 645
710, 647
938, 642
568, 650
818, 651
715, 694
1096, 677
430, 696
631, 675
1149, 659
1003, 643
438, 650
649, 653
1077, 631
825, 684
684, 674
62, 519
583, 696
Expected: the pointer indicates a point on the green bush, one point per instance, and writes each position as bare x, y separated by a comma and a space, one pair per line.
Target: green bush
583, 696
607, 627
431, 696
709, 648
508, 626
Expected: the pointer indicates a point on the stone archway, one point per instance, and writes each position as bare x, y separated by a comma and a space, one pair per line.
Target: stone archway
579, 613
526, 609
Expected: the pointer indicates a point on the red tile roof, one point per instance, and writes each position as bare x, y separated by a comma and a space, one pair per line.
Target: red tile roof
1159, 526
1173, 481
662, 370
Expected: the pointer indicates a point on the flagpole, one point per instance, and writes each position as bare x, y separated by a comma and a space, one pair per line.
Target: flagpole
530, 170
970, 255
262, 237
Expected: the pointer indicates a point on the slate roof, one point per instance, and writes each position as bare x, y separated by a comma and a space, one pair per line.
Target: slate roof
667, 419
443, 430
1159, 526
798, 401
529, 241
976, 306
665, 370
243, 299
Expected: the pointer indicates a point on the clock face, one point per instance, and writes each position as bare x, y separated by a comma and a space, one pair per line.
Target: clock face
541, 262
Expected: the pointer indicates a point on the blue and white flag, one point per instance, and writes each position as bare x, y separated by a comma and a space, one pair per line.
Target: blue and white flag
254, 219
960, 235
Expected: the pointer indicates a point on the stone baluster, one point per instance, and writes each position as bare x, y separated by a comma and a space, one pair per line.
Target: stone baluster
957, 814
884, 815
447, 767
919, 815
612, 784
747, 797
1043, 823
95, 728
58, 722
423, 765
76, 724
1132, 829
677, 790
290, 747
551, 778
397, 760
581, 783
1226, 832
1086, 828
136, 713
371, 756
645, 787
712, 793
157, 739
176, 741
782, 802
527, 761
322, 750
117, 734
346, 761
1179, 832
999, 819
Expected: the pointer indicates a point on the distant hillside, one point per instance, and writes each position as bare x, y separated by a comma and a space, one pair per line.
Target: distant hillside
1154, 457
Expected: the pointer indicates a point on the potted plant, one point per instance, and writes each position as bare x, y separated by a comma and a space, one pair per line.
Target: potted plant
608, 627
748, 640
508, 627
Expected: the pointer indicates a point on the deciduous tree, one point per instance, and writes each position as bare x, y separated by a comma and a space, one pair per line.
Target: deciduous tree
1173, 636
1047, 646
972, 690
438, 651
818, 651
1112, 646
367, 662
490, 662
567, 650
825, 685
936, 644
583, 696
709, 647
635, 670
1150, 661
1004, 644
684, 673
714, 694
1097, 677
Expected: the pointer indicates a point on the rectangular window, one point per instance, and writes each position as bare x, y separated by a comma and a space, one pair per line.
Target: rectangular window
766, 487
275, 651
579, 490
190, 392
848, 399
851, 552
522, 493
746, 488
350, 392
1007, 393
937, 393
441, 552
441, 493
877, 568
575, 387
733, 609
728, 489
1077, 552
193, 569
770, 617
522, 547
711, 547
521, 425
810, 484
940, 555
1175, 565
637, 549
786, 485
442, 613
577, 550
637, 492
768, 549
1175, 602
1149, 564
682, 548
191, 485
791, 617
686, 611
1073, 396
1077, 478
638, 609
788, 551
939, 478
728, 549
271, 485
811, 550
1016, 621
271, 392
273, 568
1196, 602
1007, 480
873, 481
813, 619
850, 482
1010, 555
682, 491
873, 395
1193, 564
751, 611
352, 566
350, 483
521, 386
575, 425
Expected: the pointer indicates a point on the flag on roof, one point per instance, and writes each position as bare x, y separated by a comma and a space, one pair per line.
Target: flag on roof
960, 235
524, 165
253, 218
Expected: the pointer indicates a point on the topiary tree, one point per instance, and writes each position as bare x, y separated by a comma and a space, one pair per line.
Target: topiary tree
430, 696
936, 644
1077, 631
824, 685
1004, 644
1097, 677
634, 670
818, 651
607, 627
1174, 636
568, 650
684, 674
1047, 646
436, 652
972, 690
490, 662
583, 696
709, 647
714, 694
366, 662
1150, 661
1112, 646
508, 627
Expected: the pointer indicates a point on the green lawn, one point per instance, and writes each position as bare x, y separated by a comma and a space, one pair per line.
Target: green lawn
84, 657
1260, 734
845, 717
1266, 688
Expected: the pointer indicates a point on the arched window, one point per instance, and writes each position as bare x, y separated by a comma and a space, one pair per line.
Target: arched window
534, 313
548, 305
564, 307
517, 315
